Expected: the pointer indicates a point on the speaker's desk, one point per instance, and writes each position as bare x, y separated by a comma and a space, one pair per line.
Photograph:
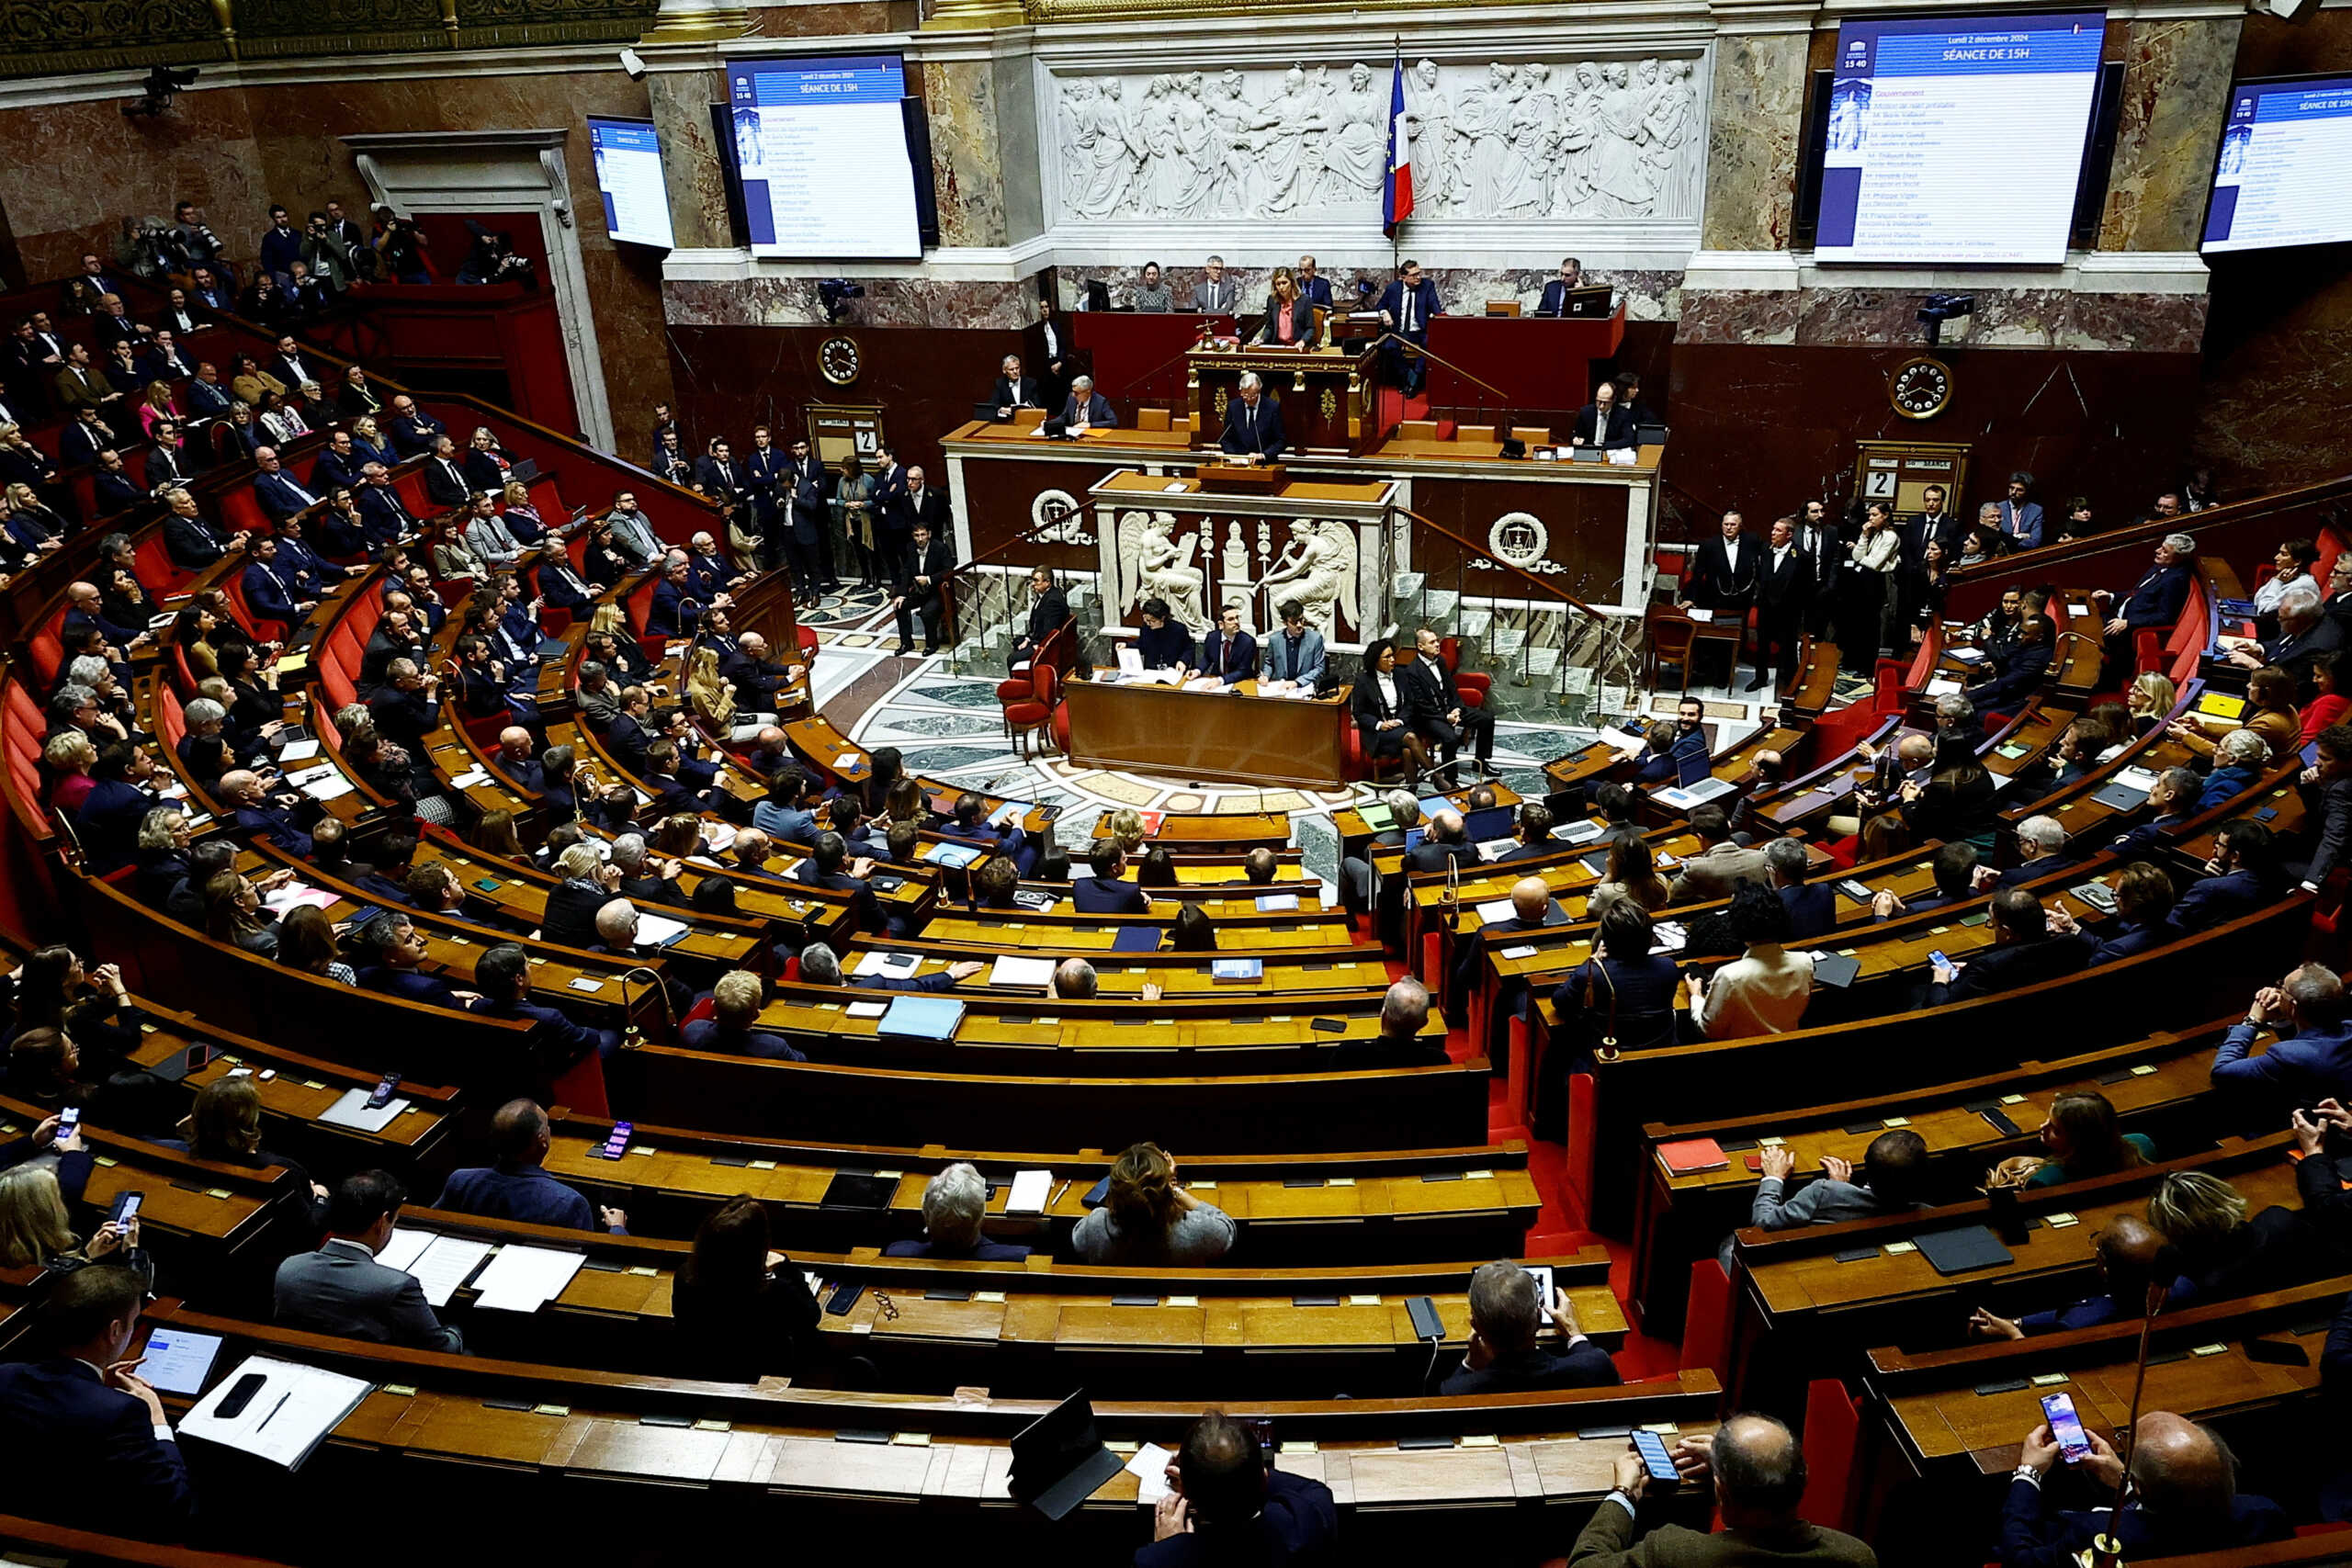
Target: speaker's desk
1235, 735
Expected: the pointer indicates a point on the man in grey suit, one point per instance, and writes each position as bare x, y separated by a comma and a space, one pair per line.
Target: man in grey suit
1295, 652
1216, 294
341, 1288
1721, 865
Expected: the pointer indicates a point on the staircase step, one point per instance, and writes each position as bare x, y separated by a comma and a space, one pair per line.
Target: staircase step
1407, 585
1543, 661
1503, 644
1439, 605
1473, 624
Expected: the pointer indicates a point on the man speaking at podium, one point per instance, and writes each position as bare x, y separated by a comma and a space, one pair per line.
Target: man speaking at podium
1253, 424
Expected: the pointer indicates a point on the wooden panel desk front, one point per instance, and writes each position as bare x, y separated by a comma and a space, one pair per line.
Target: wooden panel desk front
1238, 739
1326, 393
1533, 364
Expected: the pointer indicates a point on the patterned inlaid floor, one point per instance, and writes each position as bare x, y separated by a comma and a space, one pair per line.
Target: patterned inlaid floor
947, 726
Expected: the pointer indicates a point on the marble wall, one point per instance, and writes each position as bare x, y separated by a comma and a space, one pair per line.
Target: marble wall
1752, 134
236, 150
2004, 318
2177, 78
968, 173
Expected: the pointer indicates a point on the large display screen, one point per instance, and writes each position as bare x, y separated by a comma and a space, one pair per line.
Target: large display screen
821, 147
1955, 140
629, 173
2285, 155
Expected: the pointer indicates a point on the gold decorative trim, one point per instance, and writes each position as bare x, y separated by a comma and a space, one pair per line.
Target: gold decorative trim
964, 16
1125, 10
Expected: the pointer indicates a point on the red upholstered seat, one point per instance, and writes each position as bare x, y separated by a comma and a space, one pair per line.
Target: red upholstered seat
1833, 1426
1032, 713
1706, 1324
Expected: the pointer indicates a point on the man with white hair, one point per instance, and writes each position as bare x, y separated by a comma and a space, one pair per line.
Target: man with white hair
518, 758
257, 812
1506, 1309
2154, 603
2306, 635
1401, 1043
955, 1204
819, 965
1355, 871
2042, 852
1253, 424
707, 570
1087, 409
1012, 389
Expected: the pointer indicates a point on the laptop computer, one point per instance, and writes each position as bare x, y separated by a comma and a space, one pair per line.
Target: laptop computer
1692, 764
1058, 1459
1495, 822
1649, 435
524, 471
987, 415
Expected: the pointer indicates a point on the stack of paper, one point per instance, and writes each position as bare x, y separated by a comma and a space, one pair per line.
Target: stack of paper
1032, 972
658, 930
1494, 911
285, 1418
441, 1265
294, 895
718, 836
525, 1279
1030, 1189
298, 752
352, 1110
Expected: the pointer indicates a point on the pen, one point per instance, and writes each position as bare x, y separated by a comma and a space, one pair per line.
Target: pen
1057, 1195
275, 1409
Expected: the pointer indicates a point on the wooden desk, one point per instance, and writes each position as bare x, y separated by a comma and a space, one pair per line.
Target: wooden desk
1240, 739
1537, 366
1326, 393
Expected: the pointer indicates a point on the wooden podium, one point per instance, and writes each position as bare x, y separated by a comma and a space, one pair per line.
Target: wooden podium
1540, 366
1327, 394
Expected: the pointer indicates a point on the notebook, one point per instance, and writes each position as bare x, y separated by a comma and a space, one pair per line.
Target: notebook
1963, 1249
1136, 939
1836, 970
1237, 970
859, 1190
923, 1018
1692, 1155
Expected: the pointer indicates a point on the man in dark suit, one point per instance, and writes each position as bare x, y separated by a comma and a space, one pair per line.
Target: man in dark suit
86, 436
1012, 389
89, 1442
1444, 715
112, 489
917, 593
413, 432
1228, 653
732, 1027
809, 538
1105, 892
270, 589
1402, 1041
342, 1290
191, 542
2306, 635
672, 611
1601, 423
2024, 952
764, 469
293, 366
1048, 612
2154, 603
1441, 844
383, 515
1253, 424
724, 479
339, 465
1935, 521
275, 488
1758, 1470
445, 477
1313, 286
914, 499
1720, 575
1087, 409
162, 359
1557, 289
1405, 307
518, 1187
1534, 835
1783, 587
165, 466
2185, 1498
755, 677
2021, 673
1812, 907
1226, 1503
1506, 1309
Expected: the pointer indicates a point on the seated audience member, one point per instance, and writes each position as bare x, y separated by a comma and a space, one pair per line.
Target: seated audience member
1533, 833
2172, 801
819, 965
2223, 1251
735, 1004
2042, 852
2311, 1058
2127, 1250
1226, 1504
2024, 952
1105, 892
89, 1442
2142, 906
1893, 1176
2153, 604
1813, 908
1721, 865
2269, 712
1953, 803
518, 1187
2022, 670
342, 1290
306, 941
224, 1125
2242, 875
2239, 762
1400, 1043
1074, 981
1194, 931
2307, 633
2331, 776
1764, 991
2184, 1498
1758, 1470
1632, 875
2331, 679
1506, 1314
395, 948
1149, 1219
2084, 1138
1622, 998
741, 1308
37, 1229
955, 1205
1954, 869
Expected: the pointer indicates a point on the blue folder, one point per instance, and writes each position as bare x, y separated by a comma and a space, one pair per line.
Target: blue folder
921, 1018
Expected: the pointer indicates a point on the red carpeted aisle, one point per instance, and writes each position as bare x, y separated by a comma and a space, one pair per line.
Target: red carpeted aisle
1558, 1226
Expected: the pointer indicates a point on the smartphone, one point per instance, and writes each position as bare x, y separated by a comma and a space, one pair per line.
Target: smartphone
2074, 1443
617, 1143
126, 1208
1655, 1460
1327, 1026
385, 1087
197, 1056
69, 1120
488, 884
233, 1403
1264, 1431
1858, 891
1937, 956
844, 1297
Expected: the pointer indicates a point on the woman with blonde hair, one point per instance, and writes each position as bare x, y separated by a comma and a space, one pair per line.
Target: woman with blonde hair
369, 442
1149, 1218
2150, 701
155, 405
712, 699
36, 1229
68, 756
1126, 827
1290, 318
2222, 1252
521, 519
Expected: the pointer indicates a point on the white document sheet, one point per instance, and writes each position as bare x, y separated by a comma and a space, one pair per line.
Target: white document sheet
352, 1110
1150, 1467
525, 1279
1030, 1191
1010, 971
1498, 910
285, 1419
402, 1249
444, 1265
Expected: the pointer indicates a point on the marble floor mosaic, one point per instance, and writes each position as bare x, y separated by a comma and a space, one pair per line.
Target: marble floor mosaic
947, 726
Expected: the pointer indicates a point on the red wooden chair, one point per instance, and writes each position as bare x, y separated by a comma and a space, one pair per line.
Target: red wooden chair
1034, 714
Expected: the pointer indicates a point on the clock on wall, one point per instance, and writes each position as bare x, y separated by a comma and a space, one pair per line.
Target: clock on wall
836, 357
1920, 389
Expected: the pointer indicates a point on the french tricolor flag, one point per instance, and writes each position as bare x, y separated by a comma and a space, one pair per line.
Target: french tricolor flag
1397, 198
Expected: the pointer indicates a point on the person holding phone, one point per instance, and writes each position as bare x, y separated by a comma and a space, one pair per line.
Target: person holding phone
36, 1229
1758, 1471
1228, 1502
1506, 1310
2185, 1497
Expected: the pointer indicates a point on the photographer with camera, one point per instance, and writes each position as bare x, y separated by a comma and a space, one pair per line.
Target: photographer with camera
327, 255
399, 248
492, 259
